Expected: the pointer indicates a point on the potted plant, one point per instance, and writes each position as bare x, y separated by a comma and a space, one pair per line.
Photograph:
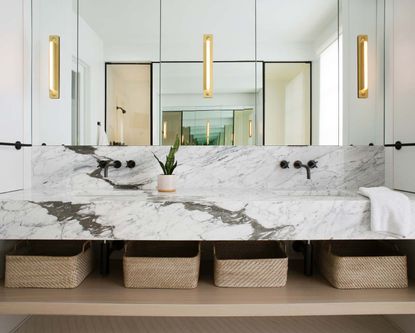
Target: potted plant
166, 182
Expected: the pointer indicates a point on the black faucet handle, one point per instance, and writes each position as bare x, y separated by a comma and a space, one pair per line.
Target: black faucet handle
130, 164
298, 164
102, 164
117, 164
284, 164
312, 164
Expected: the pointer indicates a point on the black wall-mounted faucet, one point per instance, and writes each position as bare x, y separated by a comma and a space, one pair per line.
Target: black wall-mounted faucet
310, 165
130, 164
284, 164
105, 164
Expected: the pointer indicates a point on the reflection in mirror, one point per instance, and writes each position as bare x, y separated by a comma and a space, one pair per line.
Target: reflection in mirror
287, 103
109, 32
128, 104
300, 70
228, 118
284, 72
209, 127
184, 22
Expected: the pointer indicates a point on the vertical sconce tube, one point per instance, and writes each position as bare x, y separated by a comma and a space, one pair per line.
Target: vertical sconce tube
207, 66
54, 67
165, 130
208, 132
250, 128
362, 66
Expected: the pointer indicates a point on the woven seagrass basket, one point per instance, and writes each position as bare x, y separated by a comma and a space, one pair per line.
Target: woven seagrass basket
250, 264
161, 265
363, 265
48, 264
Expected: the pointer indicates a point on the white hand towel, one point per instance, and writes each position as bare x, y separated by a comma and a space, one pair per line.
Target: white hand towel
391, 211
102, 138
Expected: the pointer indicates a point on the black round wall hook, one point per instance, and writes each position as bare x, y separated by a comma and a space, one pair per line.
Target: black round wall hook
18, 145
398, 145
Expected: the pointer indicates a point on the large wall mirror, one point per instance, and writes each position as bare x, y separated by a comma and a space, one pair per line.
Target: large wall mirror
219, 72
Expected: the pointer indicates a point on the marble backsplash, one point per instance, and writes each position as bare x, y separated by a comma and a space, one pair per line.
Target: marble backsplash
75, 169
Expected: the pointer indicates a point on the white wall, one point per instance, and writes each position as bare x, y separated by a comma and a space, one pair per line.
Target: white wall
12, 111
232, 22
52, 117
399, 115
400, 96
363, 118
91, 56
11, 93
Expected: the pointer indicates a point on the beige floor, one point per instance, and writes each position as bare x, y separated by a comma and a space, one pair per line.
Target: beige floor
361, 324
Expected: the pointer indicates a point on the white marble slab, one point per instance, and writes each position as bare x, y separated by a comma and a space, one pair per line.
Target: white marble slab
187, 215
75, 168
234, 193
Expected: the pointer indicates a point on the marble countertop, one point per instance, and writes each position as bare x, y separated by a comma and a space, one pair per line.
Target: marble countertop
197, 214
181, 195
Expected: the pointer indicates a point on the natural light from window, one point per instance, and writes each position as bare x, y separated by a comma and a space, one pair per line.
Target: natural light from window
330, 113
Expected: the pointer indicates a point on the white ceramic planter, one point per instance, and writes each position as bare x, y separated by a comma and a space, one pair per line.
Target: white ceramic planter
166, 183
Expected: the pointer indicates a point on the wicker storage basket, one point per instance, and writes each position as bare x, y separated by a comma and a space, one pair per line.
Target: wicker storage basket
363, 265
48, 264
250, 264
169, 265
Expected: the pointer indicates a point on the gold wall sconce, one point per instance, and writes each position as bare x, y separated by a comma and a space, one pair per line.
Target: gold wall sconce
208, 66
165, 130
54, 67
362, 66
250, 129
207, 132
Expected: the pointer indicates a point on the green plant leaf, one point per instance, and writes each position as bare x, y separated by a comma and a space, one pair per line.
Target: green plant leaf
171, 163
161, 165
174, 167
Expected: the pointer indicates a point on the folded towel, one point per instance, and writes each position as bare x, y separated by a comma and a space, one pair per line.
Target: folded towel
391, 211
102, 138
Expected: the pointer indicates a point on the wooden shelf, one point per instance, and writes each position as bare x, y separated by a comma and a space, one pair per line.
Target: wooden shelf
303, 296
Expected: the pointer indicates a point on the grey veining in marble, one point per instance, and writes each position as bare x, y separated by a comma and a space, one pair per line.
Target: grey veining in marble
187, 215
73, 168
234, 193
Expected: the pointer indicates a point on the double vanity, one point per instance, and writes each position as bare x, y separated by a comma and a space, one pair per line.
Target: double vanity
251, 198
223, 194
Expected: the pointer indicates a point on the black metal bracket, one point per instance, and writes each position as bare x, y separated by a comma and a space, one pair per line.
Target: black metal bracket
106, 248
104, 258
398, 145
306, 248
18, 145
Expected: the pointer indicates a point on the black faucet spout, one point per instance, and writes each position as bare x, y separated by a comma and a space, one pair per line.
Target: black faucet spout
105, 164
299, 165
